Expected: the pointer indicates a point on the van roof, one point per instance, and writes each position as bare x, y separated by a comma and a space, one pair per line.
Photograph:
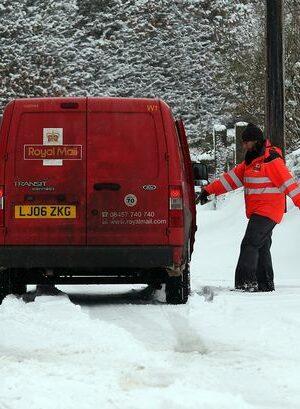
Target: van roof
102, 99
107, 102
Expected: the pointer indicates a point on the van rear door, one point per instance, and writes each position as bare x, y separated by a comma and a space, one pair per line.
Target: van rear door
127, 173
45, 173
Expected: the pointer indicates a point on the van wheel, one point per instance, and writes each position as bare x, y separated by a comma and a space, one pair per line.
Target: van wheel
4, 284
18, 289
178, 288
10, 283
17, 285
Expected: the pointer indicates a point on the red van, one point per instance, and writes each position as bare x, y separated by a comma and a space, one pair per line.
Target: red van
95, 190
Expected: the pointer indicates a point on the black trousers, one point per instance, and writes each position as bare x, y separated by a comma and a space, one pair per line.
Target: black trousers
254, 268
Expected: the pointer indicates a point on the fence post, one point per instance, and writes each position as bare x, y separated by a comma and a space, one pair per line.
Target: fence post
220, 153
239, 153
220, 149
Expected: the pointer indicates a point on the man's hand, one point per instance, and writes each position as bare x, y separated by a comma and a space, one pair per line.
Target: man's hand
203, 197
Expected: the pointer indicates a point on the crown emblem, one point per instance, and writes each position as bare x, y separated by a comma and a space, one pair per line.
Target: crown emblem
52, 136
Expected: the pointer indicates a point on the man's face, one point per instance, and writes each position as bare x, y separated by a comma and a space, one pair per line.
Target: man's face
249, 145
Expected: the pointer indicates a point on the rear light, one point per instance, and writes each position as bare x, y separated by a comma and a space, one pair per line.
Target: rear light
175, 206
1, 206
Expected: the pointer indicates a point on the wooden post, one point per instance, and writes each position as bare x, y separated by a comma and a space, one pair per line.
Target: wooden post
239, 152
220, 143
274, 119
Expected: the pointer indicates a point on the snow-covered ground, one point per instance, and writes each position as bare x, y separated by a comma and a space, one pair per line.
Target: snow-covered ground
104, 347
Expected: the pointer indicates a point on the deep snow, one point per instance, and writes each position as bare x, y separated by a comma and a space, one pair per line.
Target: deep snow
104, 347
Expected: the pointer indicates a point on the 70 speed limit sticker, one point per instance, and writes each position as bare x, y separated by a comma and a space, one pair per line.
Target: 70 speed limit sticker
130, 200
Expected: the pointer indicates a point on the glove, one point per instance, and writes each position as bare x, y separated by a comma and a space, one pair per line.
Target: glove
203, 197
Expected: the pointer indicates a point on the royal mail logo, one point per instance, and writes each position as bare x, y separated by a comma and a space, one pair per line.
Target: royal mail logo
54, 152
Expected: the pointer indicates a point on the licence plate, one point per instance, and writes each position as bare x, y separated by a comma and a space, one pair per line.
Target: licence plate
45, 212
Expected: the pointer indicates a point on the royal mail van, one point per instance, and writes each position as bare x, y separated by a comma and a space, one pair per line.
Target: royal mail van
95, 190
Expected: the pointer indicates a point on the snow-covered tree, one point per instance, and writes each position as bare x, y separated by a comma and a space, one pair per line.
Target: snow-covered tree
292, 64
205, 58
36, 38
167, 49
156, 49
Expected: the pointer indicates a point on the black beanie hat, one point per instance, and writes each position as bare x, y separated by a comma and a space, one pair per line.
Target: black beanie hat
252, 133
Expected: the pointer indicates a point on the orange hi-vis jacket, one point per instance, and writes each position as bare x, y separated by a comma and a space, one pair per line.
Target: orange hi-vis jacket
266, 181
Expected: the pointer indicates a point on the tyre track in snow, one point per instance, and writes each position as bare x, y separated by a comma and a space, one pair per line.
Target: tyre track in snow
224, 336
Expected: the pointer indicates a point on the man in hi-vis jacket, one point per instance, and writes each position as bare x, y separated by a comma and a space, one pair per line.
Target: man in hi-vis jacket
266, 182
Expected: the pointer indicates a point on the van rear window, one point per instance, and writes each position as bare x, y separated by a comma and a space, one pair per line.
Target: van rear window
124, 144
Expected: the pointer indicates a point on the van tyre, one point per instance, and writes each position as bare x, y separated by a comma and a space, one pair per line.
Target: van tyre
17, 285
10, 283
18, 289
178, 288
4, 284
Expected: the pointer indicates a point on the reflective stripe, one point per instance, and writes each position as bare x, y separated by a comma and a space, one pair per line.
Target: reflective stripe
261, 190
286, 184
235, 178
225, 184
257, 180
294, 192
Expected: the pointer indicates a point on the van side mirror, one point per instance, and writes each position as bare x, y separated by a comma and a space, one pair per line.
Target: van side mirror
200, 174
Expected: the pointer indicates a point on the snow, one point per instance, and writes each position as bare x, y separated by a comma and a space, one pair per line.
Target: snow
199, 157
104, 346
219, 128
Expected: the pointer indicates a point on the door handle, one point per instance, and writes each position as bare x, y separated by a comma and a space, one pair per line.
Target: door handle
107, 186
